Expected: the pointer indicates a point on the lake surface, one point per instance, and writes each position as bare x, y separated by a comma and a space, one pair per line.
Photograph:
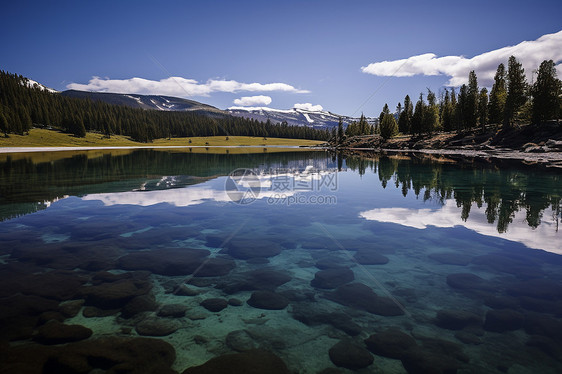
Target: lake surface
416, 263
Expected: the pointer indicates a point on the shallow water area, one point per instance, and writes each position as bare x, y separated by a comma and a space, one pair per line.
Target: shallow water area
414, 264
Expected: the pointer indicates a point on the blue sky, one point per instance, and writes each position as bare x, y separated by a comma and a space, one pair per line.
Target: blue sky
288, 51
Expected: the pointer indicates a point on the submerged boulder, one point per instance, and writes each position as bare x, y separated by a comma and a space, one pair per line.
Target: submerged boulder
254, 361
157, 327
503, 320
391, 343
54, 332
214, 304
332, 278
456, 319
171, 261
349, 355
268, 300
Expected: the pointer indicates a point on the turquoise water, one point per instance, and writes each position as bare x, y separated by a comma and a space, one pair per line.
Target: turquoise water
419, 264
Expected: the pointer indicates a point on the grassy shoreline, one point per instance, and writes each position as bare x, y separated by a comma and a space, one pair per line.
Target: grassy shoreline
54, 138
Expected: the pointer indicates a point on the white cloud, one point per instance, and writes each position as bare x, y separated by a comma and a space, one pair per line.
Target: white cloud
177, 86
308, 106
253, 100
546, 236
529, 53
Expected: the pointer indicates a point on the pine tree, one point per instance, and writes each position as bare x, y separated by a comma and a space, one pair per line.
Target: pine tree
471, 108
516, 91
546, 94
388, 126
462, 108
430, 122
498, 95
483, 108
447, 112
454, 108
405, 118
417, 119
340, 131
3, 124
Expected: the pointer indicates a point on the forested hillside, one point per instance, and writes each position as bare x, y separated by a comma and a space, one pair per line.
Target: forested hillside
24, 105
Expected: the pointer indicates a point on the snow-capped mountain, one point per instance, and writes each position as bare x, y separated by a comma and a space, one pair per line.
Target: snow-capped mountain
293, 117
32, 83
156, 102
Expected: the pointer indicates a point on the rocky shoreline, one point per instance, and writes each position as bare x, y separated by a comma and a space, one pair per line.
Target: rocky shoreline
529, 144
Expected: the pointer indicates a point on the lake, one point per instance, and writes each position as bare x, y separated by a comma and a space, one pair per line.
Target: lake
159, 260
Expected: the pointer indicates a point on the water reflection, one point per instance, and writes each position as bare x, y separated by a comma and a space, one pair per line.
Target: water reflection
509, 194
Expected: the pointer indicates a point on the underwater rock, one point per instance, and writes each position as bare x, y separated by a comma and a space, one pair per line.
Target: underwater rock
71, 308
370, 257
540, 324
172, 310
358, 295
503, 320
419, 360
183, 290
107, 277
92, 312
349, 355
329, 262
214, 304
521, 267
468, 338
215, 267
108, 354
549, 346
51, 315
54, 332
268, 300
451, 258
308, 314
456, 319
467, 281
501, 302
139, 304
256, 361
391, 343
538, 288
240, 341
541, 305
264, 279
58, 285
157, 327
171, 261
115, 294
248, 249
235, 302
332, 278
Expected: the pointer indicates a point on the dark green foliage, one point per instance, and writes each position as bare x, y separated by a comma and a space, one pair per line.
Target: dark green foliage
388, 126
471, 109
483, 107
24, 107
516, 91
405, 119
416, 126
498, 96
462, 108
340, 131
546, 94
359, 128
447, 112
430, 121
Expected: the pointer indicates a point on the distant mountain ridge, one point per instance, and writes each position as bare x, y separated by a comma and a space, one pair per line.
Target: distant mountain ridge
293, 117
156, 102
